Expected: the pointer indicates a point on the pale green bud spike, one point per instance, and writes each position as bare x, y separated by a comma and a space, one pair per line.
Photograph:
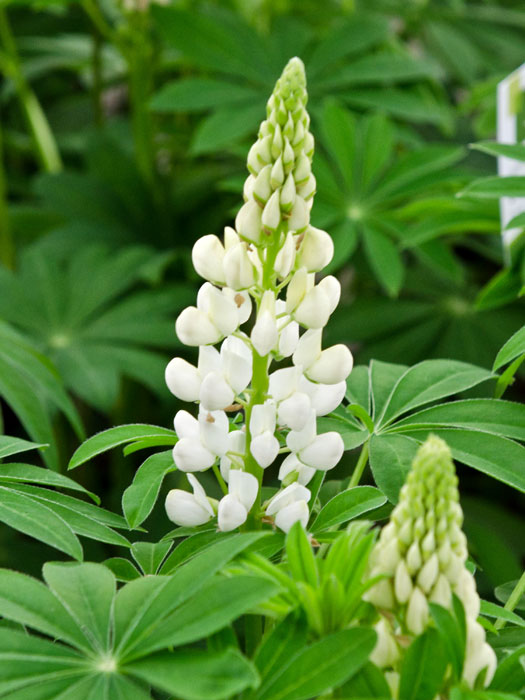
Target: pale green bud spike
280, 164
422, 553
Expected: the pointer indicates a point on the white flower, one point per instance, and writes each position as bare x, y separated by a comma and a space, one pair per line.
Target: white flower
324, 398
294, 411
271, 216
234, 507
230, 378
215, 316
239, 271
249, 222
285, 259
330, 366
288, 331
293, 467
189, 509
316, 251
300, 284
200, 441
207, 256
300, 215
264, 446
289, 506
318, 451
315, 308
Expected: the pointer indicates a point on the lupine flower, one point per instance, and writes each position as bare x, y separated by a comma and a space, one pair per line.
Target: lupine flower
423, 551
271, 256
190, 509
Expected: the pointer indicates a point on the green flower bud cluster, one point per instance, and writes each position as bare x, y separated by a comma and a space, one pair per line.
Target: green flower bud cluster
281, 185
422, 552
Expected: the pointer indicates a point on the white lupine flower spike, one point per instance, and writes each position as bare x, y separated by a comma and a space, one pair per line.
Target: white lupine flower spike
261, 273
422, 552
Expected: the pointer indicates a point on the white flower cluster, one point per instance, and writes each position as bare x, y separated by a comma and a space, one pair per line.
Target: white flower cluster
273, 252
423, 551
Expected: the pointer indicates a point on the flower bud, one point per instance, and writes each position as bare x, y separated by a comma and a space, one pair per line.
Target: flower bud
294, 468
285, 257
277, 173
244, 487
261, 187
417, 612
207, 256
259, 154
316, 251
271, 216
299, 216
303, 169
300, 284
402, 583
239, 271
385, 651
287, 196
264, 335
249, 222
231, 514
264, 448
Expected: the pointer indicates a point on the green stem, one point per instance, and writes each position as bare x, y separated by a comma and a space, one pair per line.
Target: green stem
360, 466
43, 139
219, 478
514, 599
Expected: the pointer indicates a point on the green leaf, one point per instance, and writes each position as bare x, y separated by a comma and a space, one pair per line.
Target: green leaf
504, 592
29, 602
510, 673
150, 555
12, 446
282, 643
502, 289
428, 381
495, 187
301, 560
492, 610
322, 665
423, 667
493, 148
196, 675
37, 520
347, 505
352, 434
493, 416
383, 377
452, 636
189, 547
390, 460
500, 458
113, 437
385, 259
79, 522
194, 94
369, 682
139, 498
514, 347
26, 660
226, 126
123, 569
87, 592
145, 601
28, 473
216, 605
338, 128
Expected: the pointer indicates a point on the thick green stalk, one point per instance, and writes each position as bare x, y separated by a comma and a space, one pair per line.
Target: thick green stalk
43, 139
514, 598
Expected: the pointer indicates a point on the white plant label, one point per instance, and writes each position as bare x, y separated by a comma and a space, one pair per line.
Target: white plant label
511, 129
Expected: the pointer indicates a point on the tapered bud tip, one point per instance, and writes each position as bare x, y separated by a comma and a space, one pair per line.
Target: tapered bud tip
433, 466
294, 72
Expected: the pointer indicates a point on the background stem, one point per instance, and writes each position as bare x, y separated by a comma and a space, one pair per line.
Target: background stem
513, 600
359, 467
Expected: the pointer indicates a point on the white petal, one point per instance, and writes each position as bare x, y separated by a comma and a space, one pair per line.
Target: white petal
308, 348
249, 221
215, 392
314, 310
237, 363
285, 257
214, 428
223, 312
300, 216
299, 439
289, 515
183, 379
288, 339
242, 301
316, 251
207, 256
325, 398
244, 487
263, 418
331, 287
231, 513
200, 494
324, 452
333, 365
264, 448
295, 411
193, 328
238, 268
292, 493
186, 425
283, 383
209, 360
293, 464
264, 335
191, 456
183, 509
299, 286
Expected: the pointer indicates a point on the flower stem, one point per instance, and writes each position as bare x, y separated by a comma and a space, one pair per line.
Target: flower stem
43, 139
359, 467
514, 598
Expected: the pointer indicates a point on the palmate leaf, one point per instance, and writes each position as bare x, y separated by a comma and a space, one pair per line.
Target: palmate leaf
115, 645
481, 433
90, 317
250, 62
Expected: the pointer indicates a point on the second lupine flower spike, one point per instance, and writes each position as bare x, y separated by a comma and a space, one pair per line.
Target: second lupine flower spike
422, 554
273, 251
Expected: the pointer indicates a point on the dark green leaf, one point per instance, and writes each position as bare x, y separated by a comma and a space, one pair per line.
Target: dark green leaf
390, 460
423, 667
514, 347
12, 446
139, 498
347, 505
300, 556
